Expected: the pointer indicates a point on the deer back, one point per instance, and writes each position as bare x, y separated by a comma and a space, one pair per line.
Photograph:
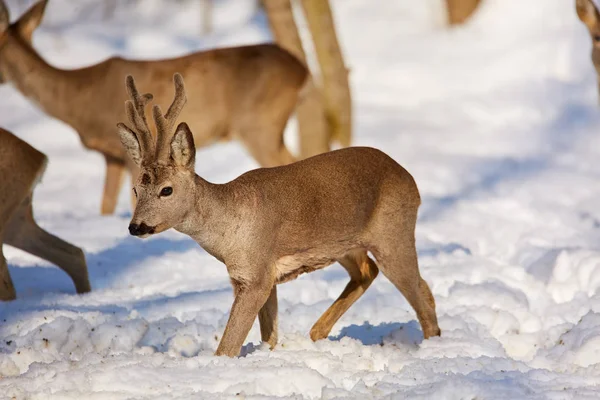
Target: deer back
232, 87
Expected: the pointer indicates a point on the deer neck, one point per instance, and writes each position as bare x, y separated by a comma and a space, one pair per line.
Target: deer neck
216, 222
40, 82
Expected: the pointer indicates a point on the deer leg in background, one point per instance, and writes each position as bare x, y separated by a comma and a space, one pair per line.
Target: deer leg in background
24, 233
588, 13
334, 74
312, 126
266, 146
112, 184
313, 135
459, 11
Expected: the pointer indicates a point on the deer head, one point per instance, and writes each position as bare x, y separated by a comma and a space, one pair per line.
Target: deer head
22, 29
165, 188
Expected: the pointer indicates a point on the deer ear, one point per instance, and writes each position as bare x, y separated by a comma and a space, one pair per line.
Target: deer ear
587, 13
4, 17
183, 150
31, 20
131, 144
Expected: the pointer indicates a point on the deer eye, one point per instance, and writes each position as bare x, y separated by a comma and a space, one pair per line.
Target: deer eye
135, 192
596, 38
166, 191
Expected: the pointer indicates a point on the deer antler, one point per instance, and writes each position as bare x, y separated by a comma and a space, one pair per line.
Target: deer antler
166, 123
137, 116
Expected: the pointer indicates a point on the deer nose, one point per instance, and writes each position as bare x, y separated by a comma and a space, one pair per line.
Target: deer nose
141, 229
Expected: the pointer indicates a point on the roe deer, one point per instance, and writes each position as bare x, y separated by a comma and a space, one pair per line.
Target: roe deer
272, 224
21, 167
246, 93
588, 14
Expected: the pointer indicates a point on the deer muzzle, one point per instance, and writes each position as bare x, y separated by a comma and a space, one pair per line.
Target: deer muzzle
141, 229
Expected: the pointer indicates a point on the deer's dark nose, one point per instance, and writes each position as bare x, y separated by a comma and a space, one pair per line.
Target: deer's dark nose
141, 229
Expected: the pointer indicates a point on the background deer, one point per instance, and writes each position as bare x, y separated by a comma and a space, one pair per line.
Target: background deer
246, 93
272, 224
21, 167
588, 14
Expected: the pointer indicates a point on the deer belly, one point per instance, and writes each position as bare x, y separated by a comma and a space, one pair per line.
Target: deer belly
290, 267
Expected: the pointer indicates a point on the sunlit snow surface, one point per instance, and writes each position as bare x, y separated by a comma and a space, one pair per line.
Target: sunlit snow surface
498, 122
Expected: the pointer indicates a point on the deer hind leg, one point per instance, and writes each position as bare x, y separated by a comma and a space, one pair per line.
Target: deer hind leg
267, 318
401, 267
362, 270
267, 153
112, 184
262, 132
265, 144
25, 234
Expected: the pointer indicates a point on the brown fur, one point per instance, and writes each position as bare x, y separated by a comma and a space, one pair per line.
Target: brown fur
271, 224
589, 15
21, 167
246, 93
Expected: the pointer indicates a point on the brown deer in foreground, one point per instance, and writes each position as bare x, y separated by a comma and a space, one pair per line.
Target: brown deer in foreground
588, 14
21, 167
272, 224
247, 93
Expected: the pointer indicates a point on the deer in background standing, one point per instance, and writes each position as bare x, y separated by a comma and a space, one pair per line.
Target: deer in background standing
272, 224
247, 93
21, 168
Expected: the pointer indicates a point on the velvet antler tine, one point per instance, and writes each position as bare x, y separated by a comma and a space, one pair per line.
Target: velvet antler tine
178, 102
143, 135
137, 116
162, 126
166, 123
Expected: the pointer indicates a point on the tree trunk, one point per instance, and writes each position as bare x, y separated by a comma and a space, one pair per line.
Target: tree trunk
460, 10
334, 74
312, 127
109, 9
207, 16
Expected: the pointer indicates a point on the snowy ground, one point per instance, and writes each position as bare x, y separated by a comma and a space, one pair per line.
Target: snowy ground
497, 121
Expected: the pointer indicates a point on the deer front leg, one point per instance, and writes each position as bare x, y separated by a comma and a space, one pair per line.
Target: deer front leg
112, 184
249, 299
7, 290
267, 317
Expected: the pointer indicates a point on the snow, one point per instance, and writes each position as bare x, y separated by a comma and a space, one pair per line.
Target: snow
497, 121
